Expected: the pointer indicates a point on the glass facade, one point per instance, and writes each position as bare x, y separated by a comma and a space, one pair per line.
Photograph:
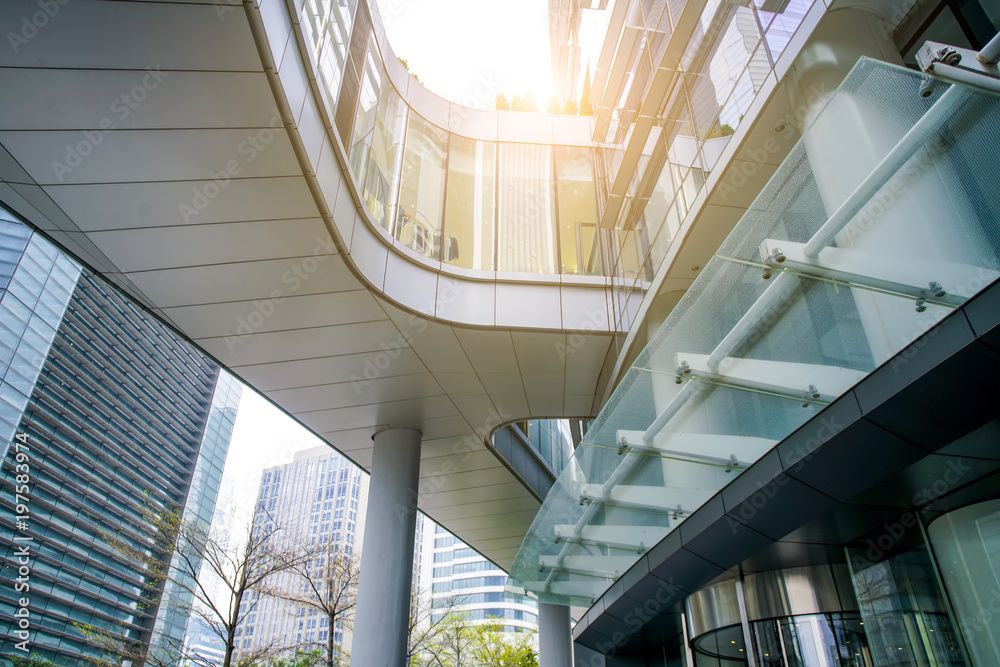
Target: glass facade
116, 412
786, 317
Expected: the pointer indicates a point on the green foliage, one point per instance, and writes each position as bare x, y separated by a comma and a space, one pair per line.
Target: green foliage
301, 659
496, 648
33, 660
406, 66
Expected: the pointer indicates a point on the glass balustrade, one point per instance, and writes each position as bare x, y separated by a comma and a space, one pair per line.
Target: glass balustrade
853, 250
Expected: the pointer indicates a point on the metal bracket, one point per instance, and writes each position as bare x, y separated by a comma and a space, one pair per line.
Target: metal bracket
957, 64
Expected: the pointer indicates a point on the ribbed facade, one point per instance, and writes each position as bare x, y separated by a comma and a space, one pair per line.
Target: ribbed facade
117, 410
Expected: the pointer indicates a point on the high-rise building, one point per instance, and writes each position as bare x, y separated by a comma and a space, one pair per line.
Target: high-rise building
105, 412
466, 584
318, 502
764, 267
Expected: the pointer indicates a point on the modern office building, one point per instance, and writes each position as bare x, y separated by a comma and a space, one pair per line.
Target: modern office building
316, 501
112, 413
466, 584
762, 267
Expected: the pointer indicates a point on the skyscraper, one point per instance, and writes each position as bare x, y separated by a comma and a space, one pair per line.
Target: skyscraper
316, 501
112, 411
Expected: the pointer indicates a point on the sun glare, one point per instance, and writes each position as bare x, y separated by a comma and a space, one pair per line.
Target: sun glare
469, 51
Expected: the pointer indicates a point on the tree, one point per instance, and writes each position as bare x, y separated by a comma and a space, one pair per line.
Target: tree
242, 571
454, 642
553, 105
570, 108
33, 660
586, 108
144, 548
496, 648
501, 103
327, 581
406, 66
164, 550
312, 658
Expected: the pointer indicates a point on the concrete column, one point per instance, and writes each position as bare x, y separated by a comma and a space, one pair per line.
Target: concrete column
383, 610
555, 637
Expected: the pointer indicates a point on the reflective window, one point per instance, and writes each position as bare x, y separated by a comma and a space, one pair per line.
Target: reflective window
364, 119
576, 198
527, 209
381, 182
469, 215
421, 192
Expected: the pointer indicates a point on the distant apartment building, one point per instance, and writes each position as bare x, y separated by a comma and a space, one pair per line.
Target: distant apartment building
463, 582
109, 410
317, 500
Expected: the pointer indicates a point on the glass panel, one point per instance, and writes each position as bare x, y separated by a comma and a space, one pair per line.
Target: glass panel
765, 338
527, 240
381, 184
901, 607
967, 547
579, 241
421, 193
470, 227
781, 26
364, 120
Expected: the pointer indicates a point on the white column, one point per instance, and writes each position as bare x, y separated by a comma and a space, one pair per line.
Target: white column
555, 637
383, 609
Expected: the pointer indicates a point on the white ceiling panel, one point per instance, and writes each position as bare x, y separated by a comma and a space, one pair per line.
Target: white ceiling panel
578, 406
241, 281
487, 509
543, 383
445, 427
324, 370
129, 156
472, 496
466, 384
199, 245
503, 383
547, 405
264, 348
540, 352
73, 99
357, 392
481, 460
472, 406
489, 351
133, 35
401, 414
130, 205
286, 312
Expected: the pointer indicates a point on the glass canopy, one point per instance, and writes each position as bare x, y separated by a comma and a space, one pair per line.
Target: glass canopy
880, 222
